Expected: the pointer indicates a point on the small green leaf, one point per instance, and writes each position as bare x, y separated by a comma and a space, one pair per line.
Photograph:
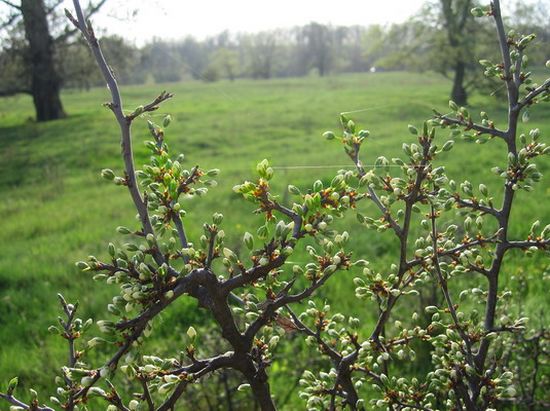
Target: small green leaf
329, 135
477, 12
12, 385
453, 106
448, 145
191, 332
107, 174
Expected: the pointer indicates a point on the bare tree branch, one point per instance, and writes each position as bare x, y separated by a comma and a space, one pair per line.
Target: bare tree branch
9, 3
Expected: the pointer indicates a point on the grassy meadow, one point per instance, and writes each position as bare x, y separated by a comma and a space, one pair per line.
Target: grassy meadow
55, 209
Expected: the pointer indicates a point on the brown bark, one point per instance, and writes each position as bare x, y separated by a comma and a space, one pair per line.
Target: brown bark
45, 81
459, 94
456, 14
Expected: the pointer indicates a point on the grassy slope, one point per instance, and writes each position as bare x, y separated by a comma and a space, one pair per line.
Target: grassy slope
55, 209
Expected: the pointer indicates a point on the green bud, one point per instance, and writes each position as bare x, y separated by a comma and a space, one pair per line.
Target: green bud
294, 190
166, 120
82, 265
477, 12
230, 255
453, 106
112, 249
534, 134
329, 135
191, 333
431, 309
448, 145
525, 41
165, 388
535, 226
483, 189
412, 129
12, 385
123, 230
248, 240
217, 218
107, 174
119, 181
262, 232
137, 111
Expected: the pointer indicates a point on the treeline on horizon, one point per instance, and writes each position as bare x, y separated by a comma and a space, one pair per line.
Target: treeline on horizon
420, 43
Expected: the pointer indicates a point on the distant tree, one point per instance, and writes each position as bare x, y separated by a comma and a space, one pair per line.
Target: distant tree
443, 37
78, 68
534, 18
211, 73
193, 55
295, 52
227, 62
163, 61
400, 46
456, 21
319, 46
357, 43
261, 49
40, 77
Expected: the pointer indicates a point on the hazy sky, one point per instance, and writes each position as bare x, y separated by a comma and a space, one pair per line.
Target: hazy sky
178, 18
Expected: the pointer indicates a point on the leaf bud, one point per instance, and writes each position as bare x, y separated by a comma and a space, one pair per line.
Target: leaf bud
329, 135
477, 12
107, 174
448, 145
217, 218
112, 249
191, 332
119, 181
483, 189
248, 240
12, 385
83, 266
431, 309
294, 190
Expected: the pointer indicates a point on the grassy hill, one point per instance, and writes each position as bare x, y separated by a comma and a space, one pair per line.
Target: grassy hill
55, 209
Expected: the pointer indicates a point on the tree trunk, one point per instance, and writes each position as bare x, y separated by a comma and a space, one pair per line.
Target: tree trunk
262, 394
45, 82
259, 383
459, 94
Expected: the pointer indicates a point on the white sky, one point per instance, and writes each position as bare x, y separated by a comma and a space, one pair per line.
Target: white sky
174, 19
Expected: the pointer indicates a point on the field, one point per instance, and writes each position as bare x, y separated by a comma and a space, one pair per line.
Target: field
55, 209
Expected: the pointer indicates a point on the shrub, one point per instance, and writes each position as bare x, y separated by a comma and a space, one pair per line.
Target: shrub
450, 235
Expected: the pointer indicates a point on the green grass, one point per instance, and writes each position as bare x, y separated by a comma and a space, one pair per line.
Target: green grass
56, 210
